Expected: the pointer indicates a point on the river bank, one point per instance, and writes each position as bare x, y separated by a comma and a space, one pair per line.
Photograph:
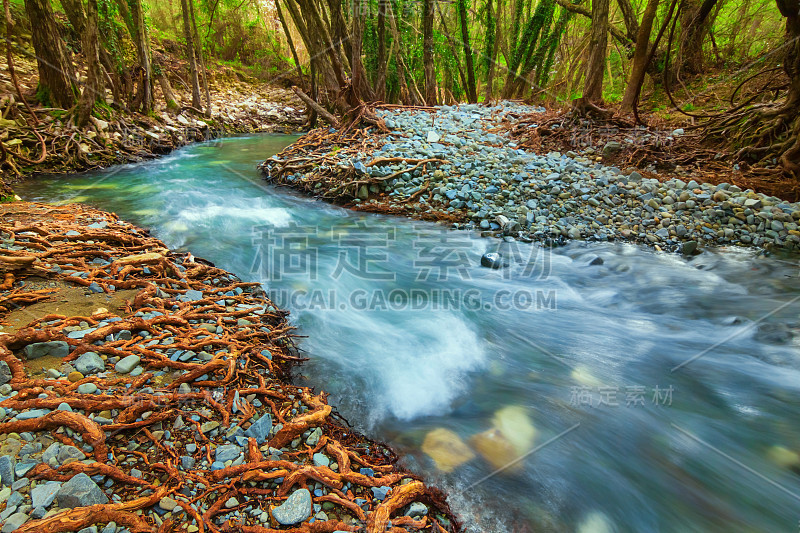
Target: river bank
145, 389
49, 142
461, 164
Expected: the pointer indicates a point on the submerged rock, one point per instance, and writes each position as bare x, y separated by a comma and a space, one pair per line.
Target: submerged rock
446, 449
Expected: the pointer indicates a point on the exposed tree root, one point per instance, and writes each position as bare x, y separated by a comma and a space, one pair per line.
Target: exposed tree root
198, 399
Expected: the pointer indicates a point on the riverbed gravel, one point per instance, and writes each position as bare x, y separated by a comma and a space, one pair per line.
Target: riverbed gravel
488, 182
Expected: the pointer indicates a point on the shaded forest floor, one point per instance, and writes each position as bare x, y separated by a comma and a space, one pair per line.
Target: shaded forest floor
671, 140
662, 150
240, 103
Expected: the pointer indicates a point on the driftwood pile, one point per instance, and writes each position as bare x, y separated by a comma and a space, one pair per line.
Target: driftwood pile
214, 357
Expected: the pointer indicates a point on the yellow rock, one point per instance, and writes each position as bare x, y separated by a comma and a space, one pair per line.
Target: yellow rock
783, 457
75, 376
100, 311
446, 449
582, 375
516, 426
148, 258
496, 449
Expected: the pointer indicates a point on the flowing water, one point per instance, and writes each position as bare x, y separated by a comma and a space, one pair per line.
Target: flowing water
646, 393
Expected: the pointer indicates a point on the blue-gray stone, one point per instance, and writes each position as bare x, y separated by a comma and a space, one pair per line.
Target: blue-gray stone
87, 388
227, 452
70, 452
14, 500
417, 509
320, 459
80, 491
5, 373
33, 413
187, 462
43, 495
7, 470
295, 509
491, 260
259, 429
380, 492
42, 349
22, 468
14, 522
89, 363
191, 296
110, 528
127, 364
95, 287
216, 465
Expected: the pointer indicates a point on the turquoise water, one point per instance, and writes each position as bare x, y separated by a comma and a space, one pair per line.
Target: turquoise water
646, 393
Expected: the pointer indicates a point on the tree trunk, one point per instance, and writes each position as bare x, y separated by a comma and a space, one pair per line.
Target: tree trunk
383, 60
694, 28
596, 62
472, 93
629, 17
359, 80
427, 52
406, 95
77, 18
56, 74
199, 51
190, 55
144, 96
453, 47
290, 41
166, 90
93, 90
490, 48
640, 58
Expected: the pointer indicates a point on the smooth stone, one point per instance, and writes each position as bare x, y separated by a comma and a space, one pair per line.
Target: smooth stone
417, 510
14, 522
446, 449
127, 364
42, 349
295, 509
491, 260
89, 363
232, 502
167, 503
320, 459
314, 437
87, 388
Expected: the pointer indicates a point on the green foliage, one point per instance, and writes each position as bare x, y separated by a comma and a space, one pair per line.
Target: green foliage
102, 110
43, 95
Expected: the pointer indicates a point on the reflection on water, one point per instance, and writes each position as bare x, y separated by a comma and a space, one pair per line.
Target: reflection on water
570, 378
